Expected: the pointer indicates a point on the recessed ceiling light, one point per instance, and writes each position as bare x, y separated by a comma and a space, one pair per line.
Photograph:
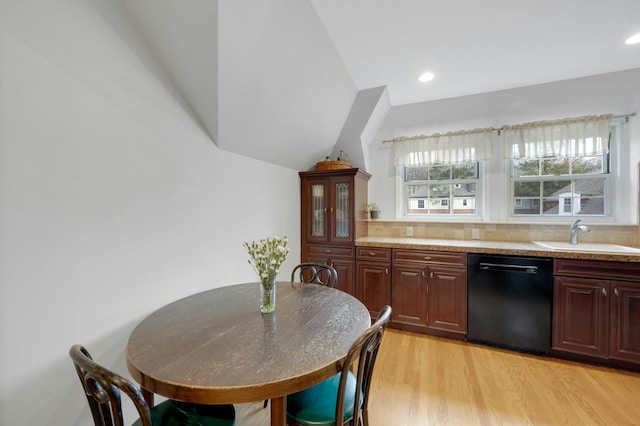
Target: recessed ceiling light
427, 76
634, 39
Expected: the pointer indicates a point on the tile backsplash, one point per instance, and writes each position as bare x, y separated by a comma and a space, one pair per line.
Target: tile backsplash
612, 234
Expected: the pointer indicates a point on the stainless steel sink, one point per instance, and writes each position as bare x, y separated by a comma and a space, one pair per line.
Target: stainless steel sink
601, 247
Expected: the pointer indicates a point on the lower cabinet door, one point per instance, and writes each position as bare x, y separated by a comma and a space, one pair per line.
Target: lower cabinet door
346, 274
409, 296
373, 286
345, 269
580, 316
624, 342
447, 303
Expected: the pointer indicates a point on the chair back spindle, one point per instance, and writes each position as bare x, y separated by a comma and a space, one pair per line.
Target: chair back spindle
316, 273
103, 391
343, 398
104, 388
364, 351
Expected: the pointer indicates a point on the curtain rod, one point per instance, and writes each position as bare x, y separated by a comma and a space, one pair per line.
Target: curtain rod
493, 129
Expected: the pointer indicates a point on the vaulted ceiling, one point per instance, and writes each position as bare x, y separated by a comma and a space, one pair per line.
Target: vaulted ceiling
478, 46
278, 80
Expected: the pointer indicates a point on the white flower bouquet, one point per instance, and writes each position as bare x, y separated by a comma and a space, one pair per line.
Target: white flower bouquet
266, 256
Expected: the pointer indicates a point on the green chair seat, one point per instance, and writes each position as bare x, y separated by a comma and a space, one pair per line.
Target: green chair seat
177, 413
103, 389
316, 405
320, 404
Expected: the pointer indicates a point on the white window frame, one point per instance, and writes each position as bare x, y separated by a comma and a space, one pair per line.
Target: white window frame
617, 184
402, 202
565, 200
494, 200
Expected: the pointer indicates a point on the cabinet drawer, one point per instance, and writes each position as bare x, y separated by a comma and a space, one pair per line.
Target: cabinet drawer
333, 251
373, 253
426, 256
597, 269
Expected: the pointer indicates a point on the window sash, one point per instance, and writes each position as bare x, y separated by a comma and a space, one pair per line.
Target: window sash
556, 203
434, 191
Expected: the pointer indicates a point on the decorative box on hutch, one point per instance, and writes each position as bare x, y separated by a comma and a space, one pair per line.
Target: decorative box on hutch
323, 166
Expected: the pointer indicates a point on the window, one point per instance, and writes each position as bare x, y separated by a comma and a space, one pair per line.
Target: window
560, 167
560, 186
548, 172
440, 189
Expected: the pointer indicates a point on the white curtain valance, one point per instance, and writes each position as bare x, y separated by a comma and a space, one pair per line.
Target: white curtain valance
587, 135
447, 148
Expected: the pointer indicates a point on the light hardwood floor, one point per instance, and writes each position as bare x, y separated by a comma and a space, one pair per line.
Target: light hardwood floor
424, 380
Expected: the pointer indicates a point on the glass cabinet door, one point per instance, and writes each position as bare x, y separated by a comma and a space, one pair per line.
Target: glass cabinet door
342, 211
328, 214
318, 211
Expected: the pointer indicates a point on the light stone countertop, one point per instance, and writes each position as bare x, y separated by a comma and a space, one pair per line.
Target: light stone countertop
492, 247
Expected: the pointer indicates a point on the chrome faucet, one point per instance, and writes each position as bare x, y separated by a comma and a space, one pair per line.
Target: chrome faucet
574, 231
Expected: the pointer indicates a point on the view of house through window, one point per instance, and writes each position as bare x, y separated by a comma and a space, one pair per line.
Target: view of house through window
441, 189
562, 186
560, 169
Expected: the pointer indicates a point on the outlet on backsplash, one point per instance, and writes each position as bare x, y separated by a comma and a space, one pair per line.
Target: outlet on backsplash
475, 234
409, 231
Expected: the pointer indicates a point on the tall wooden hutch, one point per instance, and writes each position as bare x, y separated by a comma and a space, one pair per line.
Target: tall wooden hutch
333, 216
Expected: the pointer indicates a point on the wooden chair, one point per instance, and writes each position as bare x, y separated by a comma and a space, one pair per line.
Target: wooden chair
103, 389
333, 402
316, 273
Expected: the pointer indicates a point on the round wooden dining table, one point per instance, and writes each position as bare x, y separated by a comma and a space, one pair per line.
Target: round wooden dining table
215, 347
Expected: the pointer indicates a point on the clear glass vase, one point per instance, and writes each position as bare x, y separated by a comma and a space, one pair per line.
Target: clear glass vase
268, 295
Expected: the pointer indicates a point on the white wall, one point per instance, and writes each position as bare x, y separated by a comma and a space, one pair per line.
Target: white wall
284, 90
184, 35
367, 112
615, 93
113, 201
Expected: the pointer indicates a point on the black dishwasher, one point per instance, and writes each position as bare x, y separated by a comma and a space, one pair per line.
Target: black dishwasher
509, 301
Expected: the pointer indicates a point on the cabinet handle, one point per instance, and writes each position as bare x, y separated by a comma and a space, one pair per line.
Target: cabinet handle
371, 253
427, 258
422, 274
604, 291
386, 271
616, 291
327, 251
431, 274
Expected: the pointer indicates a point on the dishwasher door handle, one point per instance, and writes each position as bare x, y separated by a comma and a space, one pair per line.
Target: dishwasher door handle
529, 269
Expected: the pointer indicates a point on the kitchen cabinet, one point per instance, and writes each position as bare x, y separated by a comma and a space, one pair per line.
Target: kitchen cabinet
624, 341
340, 258
429, 291
333, 215
596, 310
448, 298
580, 316
334, 206
409, 296
373, 287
